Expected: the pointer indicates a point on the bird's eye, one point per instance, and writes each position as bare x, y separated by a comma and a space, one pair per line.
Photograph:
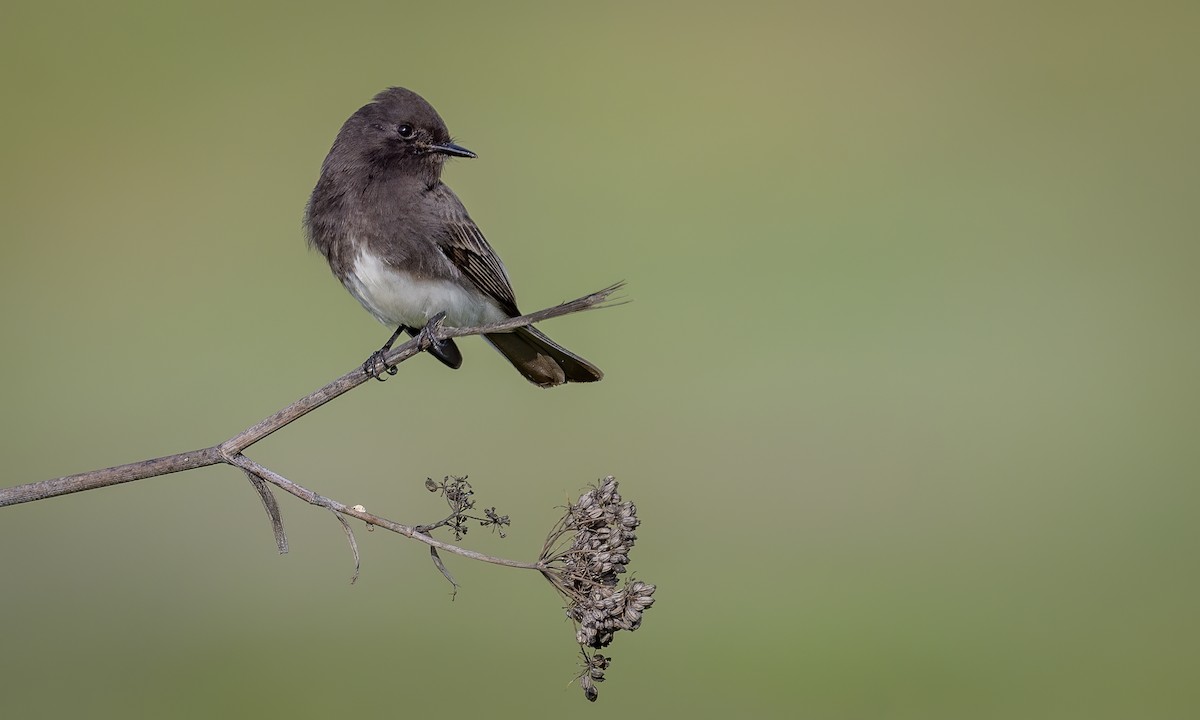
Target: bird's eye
405, 131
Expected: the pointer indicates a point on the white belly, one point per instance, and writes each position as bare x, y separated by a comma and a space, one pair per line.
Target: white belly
395, 297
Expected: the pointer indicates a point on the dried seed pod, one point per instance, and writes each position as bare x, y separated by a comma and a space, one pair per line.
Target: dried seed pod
589, 688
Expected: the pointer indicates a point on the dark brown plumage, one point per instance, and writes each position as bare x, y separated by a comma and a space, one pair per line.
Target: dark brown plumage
403, 244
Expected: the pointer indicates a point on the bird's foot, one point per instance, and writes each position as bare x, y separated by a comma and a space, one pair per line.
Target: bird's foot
428, 338
376, 365
443, 349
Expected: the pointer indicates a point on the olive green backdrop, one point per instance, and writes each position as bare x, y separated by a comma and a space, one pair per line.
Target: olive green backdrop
906, 395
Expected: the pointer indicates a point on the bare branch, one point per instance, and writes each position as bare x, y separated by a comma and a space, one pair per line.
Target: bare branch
235, 445
598, 299
109, 476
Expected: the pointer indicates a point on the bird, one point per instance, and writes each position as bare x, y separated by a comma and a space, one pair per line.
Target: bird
402, 243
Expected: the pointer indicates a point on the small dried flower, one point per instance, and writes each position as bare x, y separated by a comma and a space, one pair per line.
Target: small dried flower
460, 497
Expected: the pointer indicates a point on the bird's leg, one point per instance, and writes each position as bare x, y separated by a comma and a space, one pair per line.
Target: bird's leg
429, 340
375, 366
443, 349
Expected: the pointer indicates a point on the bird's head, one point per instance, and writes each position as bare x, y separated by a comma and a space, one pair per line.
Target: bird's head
399, 129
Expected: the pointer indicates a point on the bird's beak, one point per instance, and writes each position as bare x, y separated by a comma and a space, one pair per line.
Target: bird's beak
451, 149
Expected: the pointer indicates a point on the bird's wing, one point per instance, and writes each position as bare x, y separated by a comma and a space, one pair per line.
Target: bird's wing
464, 245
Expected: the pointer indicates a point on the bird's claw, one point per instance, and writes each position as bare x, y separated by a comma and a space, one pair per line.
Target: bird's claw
427, 337
375, 366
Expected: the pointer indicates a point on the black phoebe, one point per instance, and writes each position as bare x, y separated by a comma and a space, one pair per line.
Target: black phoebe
402, 242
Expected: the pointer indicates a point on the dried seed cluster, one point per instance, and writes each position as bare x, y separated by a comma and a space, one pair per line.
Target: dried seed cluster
608, 610
601, 530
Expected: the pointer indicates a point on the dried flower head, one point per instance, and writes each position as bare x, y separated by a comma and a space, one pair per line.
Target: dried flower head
582, 557
461, 498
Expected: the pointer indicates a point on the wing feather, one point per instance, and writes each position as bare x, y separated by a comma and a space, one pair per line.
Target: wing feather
464, 245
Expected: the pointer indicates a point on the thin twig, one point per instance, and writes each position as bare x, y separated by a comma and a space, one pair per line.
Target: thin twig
313, 498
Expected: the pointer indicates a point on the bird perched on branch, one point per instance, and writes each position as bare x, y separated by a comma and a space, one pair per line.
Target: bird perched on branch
403, 244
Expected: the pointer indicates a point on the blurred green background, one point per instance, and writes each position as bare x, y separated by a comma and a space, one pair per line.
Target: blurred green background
907, 395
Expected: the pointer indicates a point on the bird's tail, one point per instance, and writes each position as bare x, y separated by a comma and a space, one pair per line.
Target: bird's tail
542, 361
